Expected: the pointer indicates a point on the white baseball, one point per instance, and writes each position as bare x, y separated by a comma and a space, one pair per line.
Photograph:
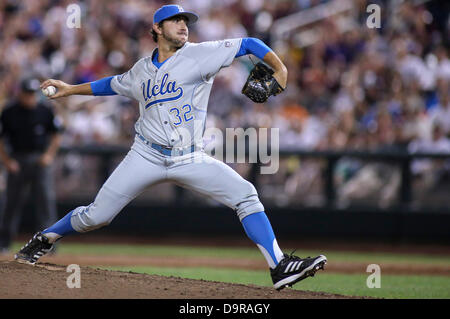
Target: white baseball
49, 90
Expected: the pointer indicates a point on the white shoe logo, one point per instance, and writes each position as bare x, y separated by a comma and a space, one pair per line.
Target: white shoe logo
293, 265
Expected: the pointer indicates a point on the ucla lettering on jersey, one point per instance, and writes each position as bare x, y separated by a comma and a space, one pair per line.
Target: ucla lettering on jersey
166, 87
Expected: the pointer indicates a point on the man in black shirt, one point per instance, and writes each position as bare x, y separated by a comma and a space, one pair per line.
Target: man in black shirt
31, 132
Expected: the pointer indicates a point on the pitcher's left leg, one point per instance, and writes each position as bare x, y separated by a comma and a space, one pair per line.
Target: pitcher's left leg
217, 180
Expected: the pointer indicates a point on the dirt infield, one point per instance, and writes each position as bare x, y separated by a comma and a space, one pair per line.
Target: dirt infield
49, 281
48, 278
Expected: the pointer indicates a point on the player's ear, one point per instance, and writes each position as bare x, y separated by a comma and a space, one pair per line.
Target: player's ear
157, 28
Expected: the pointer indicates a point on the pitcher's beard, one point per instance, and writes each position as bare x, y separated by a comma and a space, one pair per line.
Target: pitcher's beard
175, 42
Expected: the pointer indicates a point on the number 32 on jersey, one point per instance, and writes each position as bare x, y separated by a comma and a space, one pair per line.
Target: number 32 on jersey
182, 114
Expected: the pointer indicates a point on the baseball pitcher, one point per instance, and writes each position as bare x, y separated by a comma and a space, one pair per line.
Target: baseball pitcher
172, 86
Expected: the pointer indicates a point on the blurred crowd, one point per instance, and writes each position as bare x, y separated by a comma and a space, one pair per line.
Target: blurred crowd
355, 88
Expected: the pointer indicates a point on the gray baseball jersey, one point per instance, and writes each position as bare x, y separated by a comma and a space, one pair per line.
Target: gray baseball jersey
173, 99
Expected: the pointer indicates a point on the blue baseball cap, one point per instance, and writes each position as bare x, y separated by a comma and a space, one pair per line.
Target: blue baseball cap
169, 11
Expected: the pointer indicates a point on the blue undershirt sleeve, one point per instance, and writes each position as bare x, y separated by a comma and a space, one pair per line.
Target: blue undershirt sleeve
253, 46
102, 87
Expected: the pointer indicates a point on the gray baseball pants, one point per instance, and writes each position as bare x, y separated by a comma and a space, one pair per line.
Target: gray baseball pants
144, 166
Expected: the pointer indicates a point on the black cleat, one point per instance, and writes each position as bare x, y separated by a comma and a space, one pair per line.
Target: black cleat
292, 269
37, 247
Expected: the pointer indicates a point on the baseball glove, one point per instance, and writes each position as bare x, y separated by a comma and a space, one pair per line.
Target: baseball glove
261, 84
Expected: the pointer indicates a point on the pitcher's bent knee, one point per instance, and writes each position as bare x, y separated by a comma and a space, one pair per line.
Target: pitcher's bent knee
101, 212
249, 202
85, 218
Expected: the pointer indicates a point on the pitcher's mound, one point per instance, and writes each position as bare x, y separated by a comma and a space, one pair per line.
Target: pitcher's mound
50, 281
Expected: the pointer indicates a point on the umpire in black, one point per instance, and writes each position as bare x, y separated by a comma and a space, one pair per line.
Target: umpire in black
29, 140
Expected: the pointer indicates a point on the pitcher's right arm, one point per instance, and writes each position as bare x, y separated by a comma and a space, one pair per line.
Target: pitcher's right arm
100, 87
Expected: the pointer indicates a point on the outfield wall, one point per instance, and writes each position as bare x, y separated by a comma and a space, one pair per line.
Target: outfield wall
392, 227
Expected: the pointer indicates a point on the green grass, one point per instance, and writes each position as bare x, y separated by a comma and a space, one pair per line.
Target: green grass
243, 252
392, 286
